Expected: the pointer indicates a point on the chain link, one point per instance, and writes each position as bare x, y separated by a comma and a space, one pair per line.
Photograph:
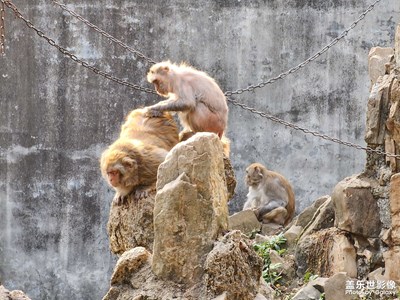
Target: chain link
2, 29
28, 23
102, 32
308, 131
307, 61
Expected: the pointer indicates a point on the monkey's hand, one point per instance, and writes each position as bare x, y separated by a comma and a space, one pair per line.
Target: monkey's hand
120, 200
142, 192
151, 112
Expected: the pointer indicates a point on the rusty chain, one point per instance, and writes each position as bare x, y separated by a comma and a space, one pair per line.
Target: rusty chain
64, 51
2, 29
307, 61
9, 4
308, 131
102, 32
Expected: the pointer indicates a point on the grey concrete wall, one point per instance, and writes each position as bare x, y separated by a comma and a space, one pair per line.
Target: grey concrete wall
56, 116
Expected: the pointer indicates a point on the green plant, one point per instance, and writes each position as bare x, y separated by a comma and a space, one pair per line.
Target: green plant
271, 273
308, 276
322, 297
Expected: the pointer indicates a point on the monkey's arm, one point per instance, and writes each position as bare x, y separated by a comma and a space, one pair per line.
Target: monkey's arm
184, 100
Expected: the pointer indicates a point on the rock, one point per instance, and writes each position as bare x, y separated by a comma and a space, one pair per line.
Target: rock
356, 210
307, 214
4, 293
319, 283
377, 111
131, 225
190, 208
285, 265
323, 218
395, 208
308, 292
386, 237
245, 221
229, 177
13, 295
18, 295
326, 252
261, 297
378, 57
397, 46
266, 290
377, 274
271, 229
292, 234
393, 125
233, 267
392, 264
335, 287
223, 296
130, 261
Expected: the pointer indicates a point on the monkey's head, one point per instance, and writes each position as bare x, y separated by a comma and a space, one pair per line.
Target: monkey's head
254, 174
119, 168
159, 76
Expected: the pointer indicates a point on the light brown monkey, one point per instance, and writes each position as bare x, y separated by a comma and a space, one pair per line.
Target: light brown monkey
270, 195
130, 164
195, 95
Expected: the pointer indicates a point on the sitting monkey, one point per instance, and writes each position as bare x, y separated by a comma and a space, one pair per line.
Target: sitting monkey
270, 195
130, 164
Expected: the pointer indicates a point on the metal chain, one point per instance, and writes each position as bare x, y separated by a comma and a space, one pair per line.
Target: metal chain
102, 32
308, 131
28, 23
9, 4
307, 61
2, 29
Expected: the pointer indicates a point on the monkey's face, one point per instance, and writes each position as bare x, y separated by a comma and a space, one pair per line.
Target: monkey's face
253, 176
120, 170
114, 177
159, 76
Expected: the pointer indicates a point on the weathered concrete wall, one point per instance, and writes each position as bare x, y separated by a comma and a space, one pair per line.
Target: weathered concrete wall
56, 117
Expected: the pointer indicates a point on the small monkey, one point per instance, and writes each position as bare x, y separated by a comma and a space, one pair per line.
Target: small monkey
270, 195
197, 98
130, 164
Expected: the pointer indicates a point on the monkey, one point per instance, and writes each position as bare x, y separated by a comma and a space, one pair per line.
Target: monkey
270, 195
199, 101
130, 164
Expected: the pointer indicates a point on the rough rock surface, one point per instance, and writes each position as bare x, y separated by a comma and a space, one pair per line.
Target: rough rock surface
397, 46
12, 295
131, 225
326, 252
190, 208
192, 259
395, 208
245, 221
378, 57
356, 208
233, 266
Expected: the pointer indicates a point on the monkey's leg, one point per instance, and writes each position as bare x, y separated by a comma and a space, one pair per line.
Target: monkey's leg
270, 206
277, 215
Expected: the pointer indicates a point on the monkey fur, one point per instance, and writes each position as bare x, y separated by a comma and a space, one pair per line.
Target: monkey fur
199, 101
270, 195
130, 164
